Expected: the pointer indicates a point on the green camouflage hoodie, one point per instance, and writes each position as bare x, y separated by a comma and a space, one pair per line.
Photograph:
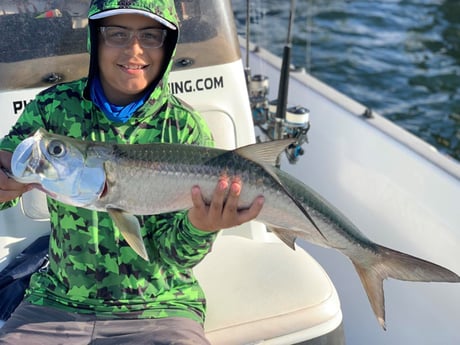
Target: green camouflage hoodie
92, 269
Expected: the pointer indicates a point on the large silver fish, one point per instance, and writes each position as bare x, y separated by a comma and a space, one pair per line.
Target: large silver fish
125, 180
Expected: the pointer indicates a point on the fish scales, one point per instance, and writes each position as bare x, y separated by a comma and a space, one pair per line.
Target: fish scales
152, 179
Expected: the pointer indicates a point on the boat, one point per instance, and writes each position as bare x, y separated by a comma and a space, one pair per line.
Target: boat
399, 190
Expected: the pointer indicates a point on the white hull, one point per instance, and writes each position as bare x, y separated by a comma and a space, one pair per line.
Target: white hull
398, 190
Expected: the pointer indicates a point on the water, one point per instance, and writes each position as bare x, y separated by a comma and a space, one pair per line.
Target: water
400, 58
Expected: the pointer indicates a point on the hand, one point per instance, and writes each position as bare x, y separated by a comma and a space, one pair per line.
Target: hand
221, 213
9, 188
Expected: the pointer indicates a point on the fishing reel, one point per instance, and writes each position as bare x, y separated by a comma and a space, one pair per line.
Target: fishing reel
295, 123
258, 87
296, 126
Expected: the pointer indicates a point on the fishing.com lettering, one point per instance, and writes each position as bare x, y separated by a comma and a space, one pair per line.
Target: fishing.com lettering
202, 84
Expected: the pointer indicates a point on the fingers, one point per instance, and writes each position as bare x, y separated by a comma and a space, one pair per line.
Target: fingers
9, 188
222, 211
208, 217
197, 199
218, 202
252, 212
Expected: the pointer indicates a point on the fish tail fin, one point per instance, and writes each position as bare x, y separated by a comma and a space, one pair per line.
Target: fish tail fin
388, 263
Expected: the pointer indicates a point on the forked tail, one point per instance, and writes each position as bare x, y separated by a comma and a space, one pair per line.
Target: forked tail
389, 263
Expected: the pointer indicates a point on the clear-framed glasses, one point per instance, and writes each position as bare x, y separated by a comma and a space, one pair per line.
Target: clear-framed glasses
119, 37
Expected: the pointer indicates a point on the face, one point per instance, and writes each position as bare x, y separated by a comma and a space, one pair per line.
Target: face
126, 72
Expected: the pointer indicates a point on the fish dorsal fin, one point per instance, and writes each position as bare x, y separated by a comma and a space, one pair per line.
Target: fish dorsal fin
265, 153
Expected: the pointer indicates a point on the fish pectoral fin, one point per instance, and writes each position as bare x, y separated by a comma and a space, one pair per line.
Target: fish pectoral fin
130, 229
287, 236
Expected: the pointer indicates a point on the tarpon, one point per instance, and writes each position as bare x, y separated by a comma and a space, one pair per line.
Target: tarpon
128, 180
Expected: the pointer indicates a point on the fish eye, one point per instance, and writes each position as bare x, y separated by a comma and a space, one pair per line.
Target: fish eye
56, 148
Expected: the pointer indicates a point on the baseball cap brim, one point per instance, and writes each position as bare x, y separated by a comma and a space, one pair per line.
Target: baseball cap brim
118, 11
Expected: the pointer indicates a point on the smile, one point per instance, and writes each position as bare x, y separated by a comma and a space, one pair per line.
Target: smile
133, 67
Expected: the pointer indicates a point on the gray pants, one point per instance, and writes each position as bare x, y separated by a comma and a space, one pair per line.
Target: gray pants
34, 325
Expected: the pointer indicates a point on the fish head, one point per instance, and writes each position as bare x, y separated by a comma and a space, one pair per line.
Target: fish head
67, 170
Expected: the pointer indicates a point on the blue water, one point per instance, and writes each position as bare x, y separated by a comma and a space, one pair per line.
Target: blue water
400, 58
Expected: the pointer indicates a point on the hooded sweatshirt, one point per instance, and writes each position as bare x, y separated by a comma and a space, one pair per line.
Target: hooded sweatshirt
92, 269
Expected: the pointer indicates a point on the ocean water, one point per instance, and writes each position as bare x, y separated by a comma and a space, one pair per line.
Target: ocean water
401, 58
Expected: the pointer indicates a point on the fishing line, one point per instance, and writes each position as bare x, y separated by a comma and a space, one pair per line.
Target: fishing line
308, 37
255, 30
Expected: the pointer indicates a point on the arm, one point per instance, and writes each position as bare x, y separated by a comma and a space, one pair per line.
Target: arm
184, 238
190, 234
176, 242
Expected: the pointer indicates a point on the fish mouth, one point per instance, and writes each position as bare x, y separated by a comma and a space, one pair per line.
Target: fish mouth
28, 163
104, 191
59, 169
25, 162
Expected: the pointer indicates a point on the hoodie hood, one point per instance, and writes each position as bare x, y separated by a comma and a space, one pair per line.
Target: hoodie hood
114, 12
162, 11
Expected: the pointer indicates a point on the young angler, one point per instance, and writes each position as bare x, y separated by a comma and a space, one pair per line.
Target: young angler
97, 289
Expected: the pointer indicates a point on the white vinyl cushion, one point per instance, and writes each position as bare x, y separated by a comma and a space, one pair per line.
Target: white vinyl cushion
259, 291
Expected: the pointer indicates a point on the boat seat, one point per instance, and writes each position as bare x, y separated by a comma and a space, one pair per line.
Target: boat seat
265, 291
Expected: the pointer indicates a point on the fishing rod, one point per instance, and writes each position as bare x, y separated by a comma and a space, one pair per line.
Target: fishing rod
247, 69
293, 122
273, 118
283, 87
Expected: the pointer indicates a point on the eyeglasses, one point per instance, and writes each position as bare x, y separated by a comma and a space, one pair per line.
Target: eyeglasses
119, 37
